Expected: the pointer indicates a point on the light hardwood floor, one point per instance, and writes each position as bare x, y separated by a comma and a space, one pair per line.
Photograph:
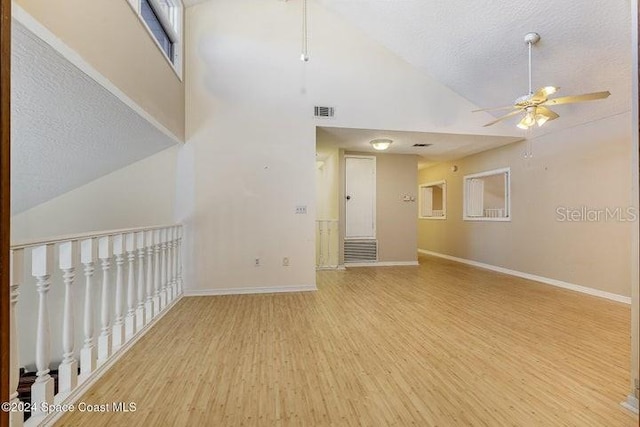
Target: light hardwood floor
443, 344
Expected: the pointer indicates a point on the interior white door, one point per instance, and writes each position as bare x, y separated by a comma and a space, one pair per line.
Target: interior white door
360, 195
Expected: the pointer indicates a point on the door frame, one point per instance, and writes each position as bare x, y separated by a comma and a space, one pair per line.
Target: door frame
375, 201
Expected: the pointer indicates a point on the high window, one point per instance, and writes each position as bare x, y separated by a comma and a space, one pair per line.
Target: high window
163, 20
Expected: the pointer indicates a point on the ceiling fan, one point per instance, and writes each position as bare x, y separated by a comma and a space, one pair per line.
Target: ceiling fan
534, 104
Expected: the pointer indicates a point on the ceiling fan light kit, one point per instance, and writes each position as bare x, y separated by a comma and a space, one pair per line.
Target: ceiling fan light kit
533, 104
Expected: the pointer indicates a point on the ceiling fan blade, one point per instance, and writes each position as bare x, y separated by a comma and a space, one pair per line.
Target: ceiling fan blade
577, 98
494, 108
543, 93
550, 115
511, 114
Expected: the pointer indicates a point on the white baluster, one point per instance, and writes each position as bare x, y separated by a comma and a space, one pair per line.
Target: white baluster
16, 265
68, 370
156, 273
170, 279
88, 352
149, 303
42, 389
118, 323
175, 262
104, 340
141, 284
163, 268
130, 321
180, 283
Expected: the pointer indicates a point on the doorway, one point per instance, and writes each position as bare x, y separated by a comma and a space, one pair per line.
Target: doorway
360, 197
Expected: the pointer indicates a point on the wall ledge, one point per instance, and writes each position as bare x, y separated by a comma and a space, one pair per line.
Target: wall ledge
545, 280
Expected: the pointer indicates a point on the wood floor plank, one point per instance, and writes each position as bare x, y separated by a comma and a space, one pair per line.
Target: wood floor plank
442, 344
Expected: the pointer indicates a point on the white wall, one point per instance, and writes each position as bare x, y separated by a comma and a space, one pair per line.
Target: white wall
249, 122
140, 194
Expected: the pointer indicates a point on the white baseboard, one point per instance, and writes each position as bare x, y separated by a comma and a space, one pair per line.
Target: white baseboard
332, 268
631, 404
545, 280
380, 264
242, 291
83, 387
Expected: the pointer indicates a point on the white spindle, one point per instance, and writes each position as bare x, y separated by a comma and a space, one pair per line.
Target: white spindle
163, 268
42, 389
68, 370
180, 283
16, 265
130, 321
156, 273
88, 352
104, 341
141, 284
118, 323
149, 304
175, 261
170, 279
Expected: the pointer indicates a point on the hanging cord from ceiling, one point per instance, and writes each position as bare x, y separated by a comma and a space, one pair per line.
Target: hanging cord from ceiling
304, 56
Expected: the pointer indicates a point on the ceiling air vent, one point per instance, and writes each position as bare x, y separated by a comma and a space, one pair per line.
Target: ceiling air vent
323, 111
422, 145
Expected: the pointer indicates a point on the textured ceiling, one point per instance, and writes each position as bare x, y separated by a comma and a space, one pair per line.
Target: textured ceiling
477, 48
446, 146
66, 129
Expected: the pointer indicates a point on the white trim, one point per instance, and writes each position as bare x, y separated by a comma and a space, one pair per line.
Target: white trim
87, 235
381, 264
243, 291
83, 387
30, 23
487, 219
545, 280
631, 404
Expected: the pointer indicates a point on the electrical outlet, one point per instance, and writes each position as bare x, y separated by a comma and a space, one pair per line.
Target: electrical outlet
257, 262
285, 261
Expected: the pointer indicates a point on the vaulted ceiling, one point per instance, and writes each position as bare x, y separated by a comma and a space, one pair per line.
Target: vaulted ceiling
477, 49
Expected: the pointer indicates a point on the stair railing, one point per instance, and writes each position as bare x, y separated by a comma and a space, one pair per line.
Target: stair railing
152, 259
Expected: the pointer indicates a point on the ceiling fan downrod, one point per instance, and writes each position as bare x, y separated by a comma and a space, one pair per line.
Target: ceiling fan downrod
531, 39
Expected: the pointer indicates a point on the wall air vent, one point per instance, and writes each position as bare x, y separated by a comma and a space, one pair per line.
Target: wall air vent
365, 250
323, 112
422, 145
